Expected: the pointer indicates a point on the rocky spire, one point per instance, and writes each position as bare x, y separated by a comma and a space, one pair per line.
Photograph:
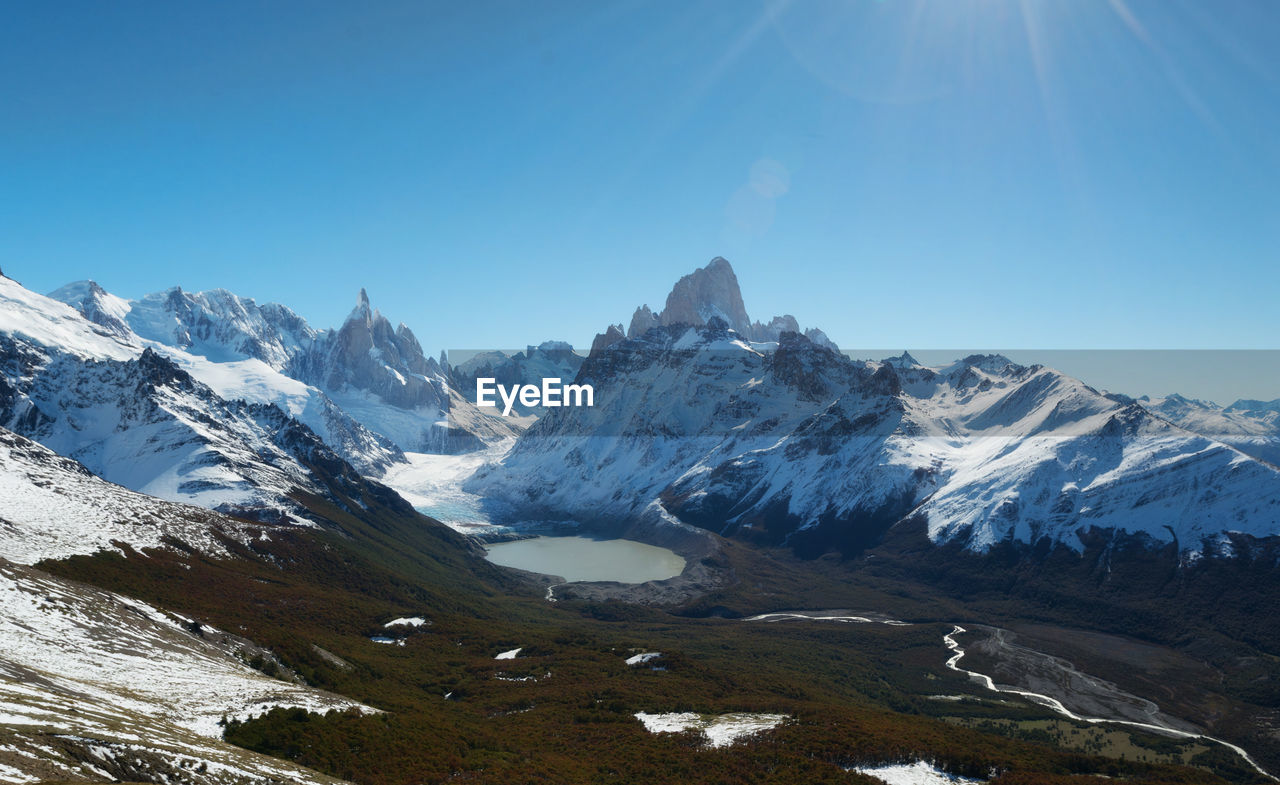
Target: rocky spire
606, 339
712, 292
641, 322
362, 311
706, 292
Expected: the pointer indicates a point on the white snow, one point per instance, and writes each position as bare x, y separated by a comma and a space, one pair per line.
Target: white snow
433, 485
984, 450
671, 722
179, 443
52, 509
918, 773
719, 730
509, 655
10, 774
1253, 427
406, 621
640, 659
133, 673
50, 323
125, 658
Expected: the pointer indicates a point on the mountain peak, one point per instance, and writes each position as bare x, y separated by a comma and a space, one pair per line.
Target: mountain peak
362, 312
904, 360
712, 292
1251, 405
706, 293
95, 304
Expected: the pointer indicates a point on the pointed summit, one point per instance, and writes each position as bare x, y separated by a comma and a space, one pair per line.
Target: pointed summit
904, 361
97, 305
362, 312
705, 293
712, 292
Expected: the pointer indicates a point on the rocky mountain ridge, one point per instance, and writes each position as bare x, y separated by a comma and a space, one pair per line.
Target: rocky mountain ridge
788, 441
135, 416
365, 386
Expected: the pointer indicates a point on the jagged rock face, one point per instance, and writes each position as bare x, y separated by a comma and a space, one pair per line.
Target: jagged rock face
148, 425
381, 377
902, 361
696, 298
608, 338
369, 391
804, 446
220, 325
704, 293
642, 321
215, 324
367, 354
136, 417
688, 422
99, 307
713, 292
820, 338
224, 327
776, 327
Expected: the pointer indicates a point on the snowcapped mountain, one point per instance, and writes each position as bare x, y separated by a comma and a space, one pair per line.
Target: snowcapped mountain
366, 388
1252, 427
53, 507
382, 378
239, 344
149, 687
217, 324
134, 417
148, 690
148, 425
789, 441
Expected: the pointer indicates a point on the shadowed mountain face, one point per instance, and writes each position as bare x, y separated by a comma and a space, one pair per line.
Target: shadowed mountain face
788, 441
135, 413
367, 354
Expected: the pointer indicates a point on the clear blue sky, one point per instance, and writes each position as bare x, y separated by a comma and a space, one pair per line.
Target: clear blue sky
957, 173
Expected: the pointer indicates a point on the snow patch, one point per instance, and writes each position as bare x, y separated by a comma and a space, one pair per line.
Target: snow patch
918, 773
720, 730
135, 675
407, 621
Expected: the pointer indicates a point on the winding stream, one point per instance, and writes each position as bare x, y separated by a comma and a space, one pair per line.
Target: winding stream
1151, 710
1056, 705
